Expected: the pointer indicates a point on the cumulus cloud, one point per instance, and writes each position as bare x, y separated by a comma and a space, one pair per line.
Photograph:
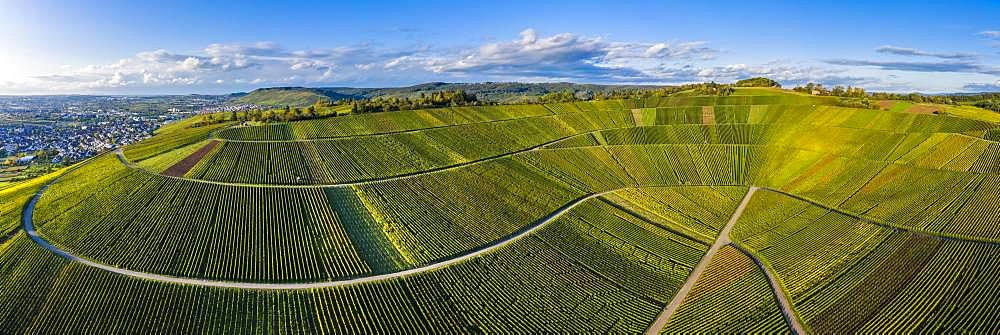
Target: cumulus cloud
900, 51
681, 50
532, 56
567, 56
149, 68
266, 62
782, 71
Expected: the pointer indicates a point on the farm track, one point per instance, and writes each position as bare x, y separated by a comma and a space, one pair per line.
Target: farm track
669, 310
634, 112
722, 240
124, 160
29, 228
542, 146
213, 136
783, 301
786, 306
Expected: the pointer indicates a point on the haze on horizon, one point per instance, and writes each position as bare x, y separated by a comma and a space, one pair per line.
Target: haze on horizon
118, 47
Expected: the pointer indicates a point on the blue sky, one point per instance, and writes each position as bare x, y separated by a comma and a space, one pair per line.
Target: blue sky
191, 47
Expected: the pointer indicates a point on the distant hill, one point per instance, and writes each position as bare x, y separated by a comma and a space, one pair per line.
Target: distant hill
489, 91
293, 96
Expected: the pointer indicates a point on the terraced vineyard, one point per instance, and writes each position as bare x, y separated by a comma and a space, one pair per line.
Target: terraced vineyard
765, 211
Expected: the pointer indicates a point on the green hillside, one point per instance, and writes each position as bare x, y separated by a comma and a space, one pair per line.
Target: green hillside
763, 211
284, 96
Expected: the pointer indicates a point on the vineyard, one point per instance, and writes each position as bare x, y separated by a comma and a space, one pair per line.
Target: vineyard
580, 217
733, 296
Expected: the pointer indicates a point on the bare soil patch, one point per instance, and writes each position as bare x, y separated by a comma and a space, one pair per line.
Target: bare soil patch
708, 115
181, 168
924, 109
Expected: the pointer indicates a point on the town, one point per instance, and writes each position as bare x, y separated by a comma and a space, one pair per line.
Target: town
65, 129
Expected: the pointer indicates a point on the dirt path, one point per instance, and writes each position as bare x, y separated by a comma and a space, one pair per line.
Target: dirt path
124, 160
213, 135
783, 303
29, 228
722, 240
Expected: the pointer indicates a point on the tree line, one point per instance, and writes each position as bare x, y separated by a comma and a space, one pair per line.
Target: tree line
993, 105
436, 99
285, 114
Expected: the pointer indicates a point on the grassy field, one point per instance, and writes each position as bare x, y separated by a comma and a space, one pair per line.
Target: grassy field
578, 217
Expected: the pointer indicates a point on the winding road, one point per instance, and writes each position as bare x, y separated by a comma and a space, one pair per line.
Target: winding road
786, 306
29, 228
662, 319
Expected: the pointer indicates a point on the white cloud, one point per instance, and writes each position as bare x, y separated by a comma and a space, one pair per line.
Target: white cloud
256, 49
783, 71
190, 64
531, 56
566, 56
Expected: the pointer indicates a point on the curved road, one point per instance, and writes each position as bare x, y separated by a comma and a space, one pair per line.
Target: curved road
29, 228
662, 319
783, 302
